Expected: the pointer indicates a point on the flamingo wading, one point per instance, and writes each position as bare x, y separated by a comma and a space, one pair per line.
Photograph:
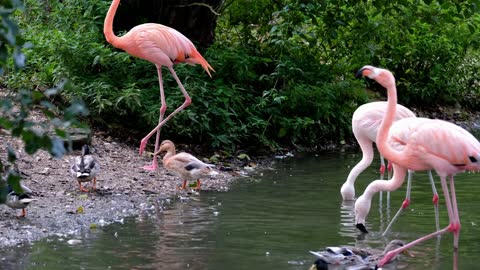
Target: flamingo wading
163, 46
419, 144
366, 121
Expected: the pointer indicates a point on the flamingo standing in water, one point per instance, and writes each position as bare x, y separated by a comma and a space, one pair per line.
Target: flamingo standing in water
163, 46
366, 121
419, 144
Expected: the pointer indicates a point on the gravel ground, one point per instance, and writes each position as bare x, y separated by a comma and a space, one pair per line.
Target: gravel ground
123, 189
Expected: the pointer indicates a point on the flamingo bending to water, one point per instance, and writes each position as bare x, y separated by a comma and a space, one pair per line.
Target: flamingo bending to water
366, 121
419, 144
163, 46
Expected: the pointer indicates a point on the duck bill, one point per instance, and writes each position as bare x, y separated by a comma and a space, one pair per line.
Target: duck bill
313, 267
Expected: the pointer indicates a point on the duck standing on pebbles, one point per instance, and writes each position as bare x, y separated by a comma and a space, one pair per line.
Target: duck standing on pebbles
351, 258
19, 200
14, 199
85, 168
184, 165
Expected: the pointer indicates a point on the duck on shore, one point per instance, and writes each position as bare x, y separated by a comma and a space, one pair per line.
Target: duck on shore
84, 168
19, 200
184, 165
16, 200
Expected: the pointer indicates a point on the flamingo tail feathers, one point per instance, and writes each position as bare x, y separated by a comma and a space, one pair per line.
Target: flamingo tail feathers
196, 58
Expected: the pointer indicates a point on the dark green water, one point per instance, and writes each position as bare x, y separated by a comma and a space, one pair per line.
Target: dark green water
267, 222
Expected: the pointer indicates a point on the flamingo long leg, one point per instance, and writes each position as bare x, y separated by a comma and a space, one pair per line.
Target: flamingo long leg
406, 202
434, 200
163, 109
457, 226
454, 226
456, 229
382, 166
187, 102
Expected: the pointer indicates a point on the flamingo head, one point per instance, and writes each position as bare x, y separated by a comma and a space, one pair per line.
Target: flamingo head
474, 164
362, 208
384, 77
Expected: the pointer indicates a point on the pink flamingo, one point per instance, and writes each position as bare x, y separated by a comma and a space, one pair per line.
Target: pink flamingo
366, 121
163, 46
419, 144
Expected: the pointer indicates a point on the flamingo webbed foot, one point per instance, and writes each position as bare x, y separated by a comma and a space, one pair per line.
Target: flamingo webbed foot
152, 167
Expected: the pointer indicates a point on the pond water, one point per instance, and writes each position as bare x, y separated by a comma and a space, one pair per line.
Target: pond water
270, 221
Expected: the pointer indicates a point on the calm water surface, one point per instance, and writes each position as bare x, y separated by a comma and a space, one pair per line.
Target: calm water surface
267, 222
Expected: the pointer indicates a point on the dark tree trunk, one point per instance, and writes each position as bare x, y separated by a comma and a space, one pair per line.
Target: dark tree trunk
193, 18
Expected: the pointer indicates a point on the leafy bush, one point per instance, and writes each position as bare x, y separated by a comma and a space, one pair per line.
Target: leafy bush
284, 68
15, 108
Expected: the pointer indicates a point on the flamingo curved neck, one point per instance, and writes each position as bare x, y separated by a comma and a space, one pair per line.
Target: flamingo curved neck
387, 121
393, 184
108, 24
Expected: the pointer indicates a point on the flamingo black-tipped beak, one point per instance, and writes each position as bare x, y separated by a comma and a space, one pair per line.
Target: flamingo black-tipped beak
361, 227
359, 73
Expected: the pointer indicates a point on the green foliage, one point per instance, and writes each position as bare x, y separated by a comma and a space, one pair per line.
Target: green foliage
284, 68
16, 108
16, 119
9, 35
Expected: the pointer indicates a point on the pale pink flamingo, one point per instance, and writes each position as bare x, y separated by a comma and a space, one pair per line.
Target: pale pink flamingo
185, 165
366, 121
163, 46
419, 144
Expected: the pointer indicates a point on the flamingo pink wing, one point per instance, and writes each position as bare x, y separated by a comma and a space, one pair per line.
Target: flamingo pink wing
158, 44
433, 141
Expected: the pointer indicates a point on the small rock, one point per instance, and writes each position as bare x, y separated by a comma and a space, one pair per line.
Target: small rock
74, 241
44, 171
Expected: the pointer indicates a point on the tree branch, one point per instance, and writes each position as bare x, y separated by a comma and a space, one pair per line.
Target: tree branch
201, 4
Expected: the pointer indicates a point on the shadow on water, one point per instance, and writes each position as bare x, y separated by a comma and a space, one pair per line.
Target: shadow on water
266, 222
